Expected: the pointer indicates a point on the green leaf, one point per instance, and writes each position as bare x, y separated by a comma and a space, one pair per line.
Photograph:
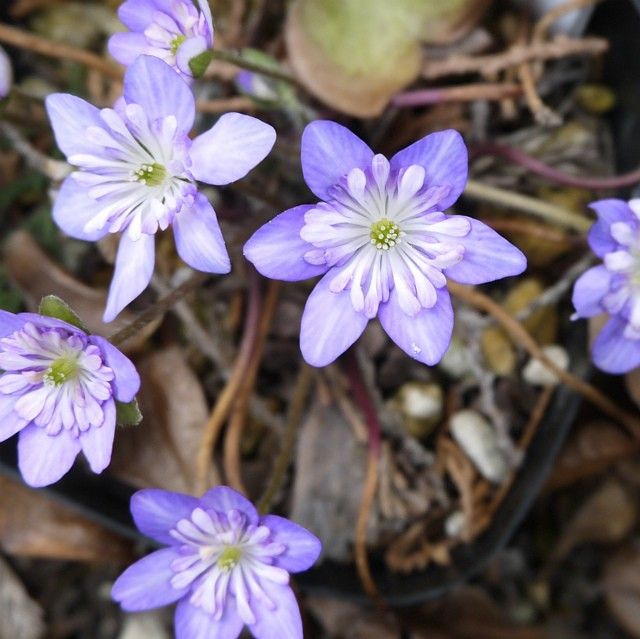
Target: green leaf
356, 54
128, 414
53, 306
199, 63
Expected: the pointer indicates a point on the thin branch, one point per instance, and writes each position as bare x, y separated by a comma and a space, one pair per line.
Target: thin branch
542, 26
53, 49
225, 400
538, 167
222, 105
365, 403
508, 199
489, 65
159, 308
237, 419
54, 169
462, 93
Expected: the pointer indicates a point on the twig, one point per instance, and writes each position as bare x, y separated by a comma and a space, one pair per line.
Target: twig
542, 114
225, 400
238, 414
554, 292
521, 336
53, 49
542, 26
365, 403
538, 167
221, 105
532, 206
53, 169
195, 332
160, 307
300, 392
488, 65
462, 93
535, 230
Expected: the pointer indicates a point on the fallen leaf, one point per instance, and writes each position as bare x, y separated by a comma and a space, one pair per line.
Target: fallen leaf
33, 525
355, 54
328, 459
468, 612
22, 618
161, 450
621, 585
31, 270
607, 516
346, 620
594, 447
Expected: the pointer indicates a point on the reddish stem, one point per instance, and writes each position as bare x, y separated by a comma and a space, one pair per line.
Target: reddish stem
364, 401
559, 177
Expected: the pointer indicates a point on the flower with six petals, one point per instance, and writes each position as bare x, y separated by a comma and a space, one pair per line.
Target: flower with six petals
137, 169
613, 287
176, 31
58, 390
225, 565
381, 241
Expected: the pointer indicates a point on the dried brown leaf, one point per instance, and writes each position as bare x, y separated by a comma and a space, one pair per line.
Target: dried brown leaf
22, 618
328, 458
469, 612
590, 451
355, 54
36, 275
161, 451
32, 525
621, 584
607, 516
345, 620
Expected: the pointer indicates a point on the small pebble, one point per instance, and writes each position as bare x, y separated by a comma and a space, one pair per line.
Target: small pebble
537, 374
478, 440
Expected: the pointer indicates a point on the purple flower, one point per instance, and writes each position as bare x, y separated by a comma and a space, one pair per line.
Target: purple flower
175, 31
225, 565
58, 390
614, 286
6, 74
381, 241
137, 169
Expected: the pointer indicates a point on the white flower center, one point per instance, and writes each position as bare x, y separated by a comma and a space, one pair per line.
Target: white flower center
624, 263
225, 556
61, 380
167, 32
381, 231
138, 172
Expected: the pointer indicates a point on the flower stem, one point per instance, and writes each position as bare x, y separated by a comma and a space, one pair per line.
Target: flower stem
160, 307
507, 199
225, 399
238, 413
365, 403
235, 58
554, 175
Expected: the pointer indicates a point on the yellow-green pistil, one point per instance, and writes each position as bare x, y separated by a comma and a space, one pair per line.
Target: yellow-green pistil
384, 234
150, 174
61, 370
229, 558
176, 42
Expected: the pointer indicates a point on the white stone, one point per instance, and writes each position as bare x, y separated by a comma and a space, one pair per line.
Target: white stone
478, 440
536, 373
